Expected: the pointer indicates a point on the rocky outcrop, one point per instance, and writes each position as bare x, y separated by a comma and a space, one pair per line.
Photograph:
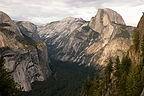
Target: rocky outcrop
90, 43
27, 66
59, 29
105, 22
104, 18
4, 18
29, 29
136, 51
25, 58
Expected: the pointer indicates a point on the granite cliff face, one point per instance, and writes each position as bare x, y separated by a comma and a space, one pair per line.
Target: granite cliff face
90, 43
105, 23
115, 36
104, 18
59, 29
25, 58
29, 29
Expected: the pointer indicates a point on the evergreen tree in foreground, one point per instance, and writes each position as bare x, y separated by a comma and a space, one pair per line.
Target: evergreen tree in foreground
118, 80
96, 90
86, 87
7, 85
136, 39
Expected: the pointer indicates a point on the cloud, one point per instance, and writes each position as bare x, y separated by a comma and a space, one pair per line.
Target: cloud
45, 11
42, 20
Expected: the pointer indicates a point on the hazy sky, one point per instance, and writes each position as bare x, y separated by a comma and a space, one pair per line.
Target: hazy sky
45, 11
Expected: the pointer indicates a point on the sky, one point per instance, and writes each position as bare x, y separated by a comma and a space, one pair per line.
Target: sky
46, 11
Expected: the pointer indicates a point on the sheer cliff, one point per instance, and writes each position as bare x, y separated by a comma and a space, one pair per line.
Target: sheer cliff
26, 59
29, 29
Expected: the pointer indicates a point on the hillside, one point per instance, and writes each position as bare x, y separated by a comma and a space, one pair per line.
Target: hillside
88, 42
74, 43
121, 77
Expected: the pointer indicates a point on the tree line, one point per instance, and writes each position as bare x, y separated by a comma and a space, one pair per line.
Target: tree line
120, 79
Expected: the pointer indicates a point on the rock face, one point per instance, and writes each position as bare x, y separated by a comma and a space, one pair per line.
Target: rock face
25, 58
104, 18
59, 29
136, 50
29, 29
90, 43
105, 23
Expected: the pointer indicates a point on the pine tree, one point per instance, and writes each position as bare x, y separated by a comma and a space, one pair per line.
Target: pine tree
117, 76
121, 73
107, 76
96, 91
7, 85
134, 83
142, 46
86, 87
125, 65
121, 88
117, 68
136, 39
142, 76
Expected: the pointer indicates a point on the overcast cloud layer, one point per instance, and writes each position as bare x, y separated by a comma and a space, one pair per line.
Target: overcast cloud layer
45, 11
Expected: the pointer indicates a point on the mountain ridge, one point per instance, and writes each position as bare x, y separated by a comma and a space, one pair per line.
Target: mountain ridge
71, 39
26, 59
86, 35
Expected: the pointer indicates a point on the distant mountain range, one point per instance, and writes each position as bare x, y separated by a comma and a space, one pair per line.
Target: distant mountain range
88, 42
24, 45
